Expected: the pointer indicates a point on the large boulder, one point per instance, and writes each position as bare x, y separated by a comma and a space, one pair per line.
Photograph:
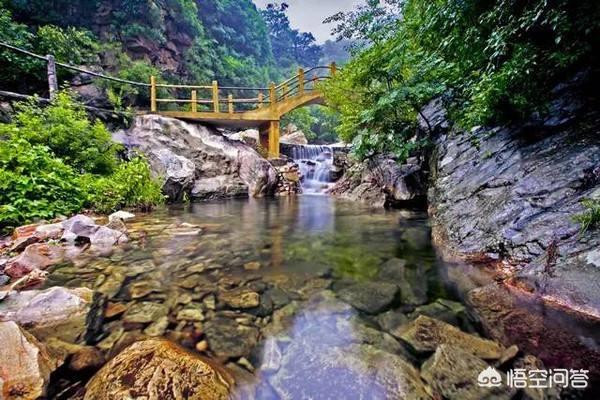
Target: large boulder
197, 161
381, 182
159, 369
293, 135
65, 314
25, 364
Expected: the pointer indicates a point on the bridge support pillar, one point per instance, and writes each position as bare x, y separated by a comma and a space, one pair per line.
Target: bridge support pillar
269, 138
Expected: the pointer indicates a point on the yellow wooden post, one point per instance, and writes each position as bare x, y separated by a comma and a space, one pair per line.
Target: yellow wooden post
261, 100
274, 139
333, 68
272, 93
215, 96
153, 107
230, 102
194, 101
285, 91
300, 81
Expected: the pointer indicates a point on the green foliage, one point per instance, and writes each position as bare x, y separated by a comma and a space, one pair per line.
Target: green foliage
590, 218
34, 184
132, 185
123, 95
68, 45
495, 61
318, 123
65, 129
54, 161
290, 46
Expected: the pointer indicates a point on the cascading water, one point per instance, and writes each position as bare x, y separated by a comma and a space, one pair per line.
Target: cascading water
316, 163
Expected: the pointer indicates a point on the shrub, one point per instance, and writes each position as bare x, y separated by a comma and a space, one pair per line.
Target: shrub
34, 184
590, 218
132, 185
55, 161
64, 127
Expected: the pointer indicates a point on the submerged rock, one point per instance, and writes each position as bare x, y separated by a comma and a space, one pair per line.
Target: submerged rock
425, 335
453, 372
240, 298
66, 314
196, 160
159, 369
36, 256
145, 312
411, 280
228, 339
25, 364
354, 372
370, 297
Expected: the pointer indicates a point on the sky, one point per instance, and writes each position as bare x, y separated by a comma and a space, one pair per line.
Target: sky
308, 15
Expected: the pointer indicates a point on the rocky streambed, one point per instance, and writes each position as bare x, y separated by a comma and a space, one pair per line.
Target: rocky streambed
290, 298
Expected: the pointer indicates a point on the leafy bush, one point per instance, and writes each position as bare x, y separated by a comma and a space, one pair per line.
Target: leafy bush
34, 184
132, 185
70, 135
55, 161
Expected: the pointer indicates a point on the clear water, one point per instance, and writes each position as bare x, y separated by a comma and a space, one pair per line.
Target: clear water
309, 249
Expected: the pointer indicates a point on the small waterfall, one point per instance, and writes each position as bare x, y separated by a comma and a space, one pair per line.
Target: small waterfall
315, 164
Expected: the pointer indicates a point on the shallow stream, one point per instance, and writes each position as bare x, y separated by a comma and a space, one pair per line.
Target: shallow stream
262, 285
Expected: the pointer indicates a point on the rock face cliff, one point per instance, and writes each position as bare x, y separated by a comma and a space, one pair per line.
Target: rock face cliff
197, 161
508, 196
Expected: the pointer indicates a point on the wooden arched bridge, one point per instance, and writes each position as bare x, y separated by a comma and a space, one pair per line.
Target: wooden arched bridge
221, 106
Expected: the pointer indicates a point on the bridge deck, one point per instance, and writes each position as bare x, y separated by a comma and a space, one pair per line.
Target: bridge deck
263, 112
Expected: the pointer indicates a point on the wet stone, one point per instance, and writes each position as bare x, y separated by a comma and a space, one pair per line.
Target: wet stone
112, 285
241, 298
252, 266
109, 341
453, 372
278, 296
158, 327
425, 334
87, 358
370, 297
227, 339
444, 310
190, 314
145, 312
114, 310
140, 289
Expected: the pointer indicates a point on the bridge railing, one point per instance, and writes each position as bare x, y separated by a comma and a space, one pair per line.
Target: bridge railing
195, 98
224, 99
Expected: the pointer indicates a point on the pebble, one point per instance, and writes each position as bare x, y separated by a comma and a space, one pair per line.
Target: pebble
202, 346
252, 266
